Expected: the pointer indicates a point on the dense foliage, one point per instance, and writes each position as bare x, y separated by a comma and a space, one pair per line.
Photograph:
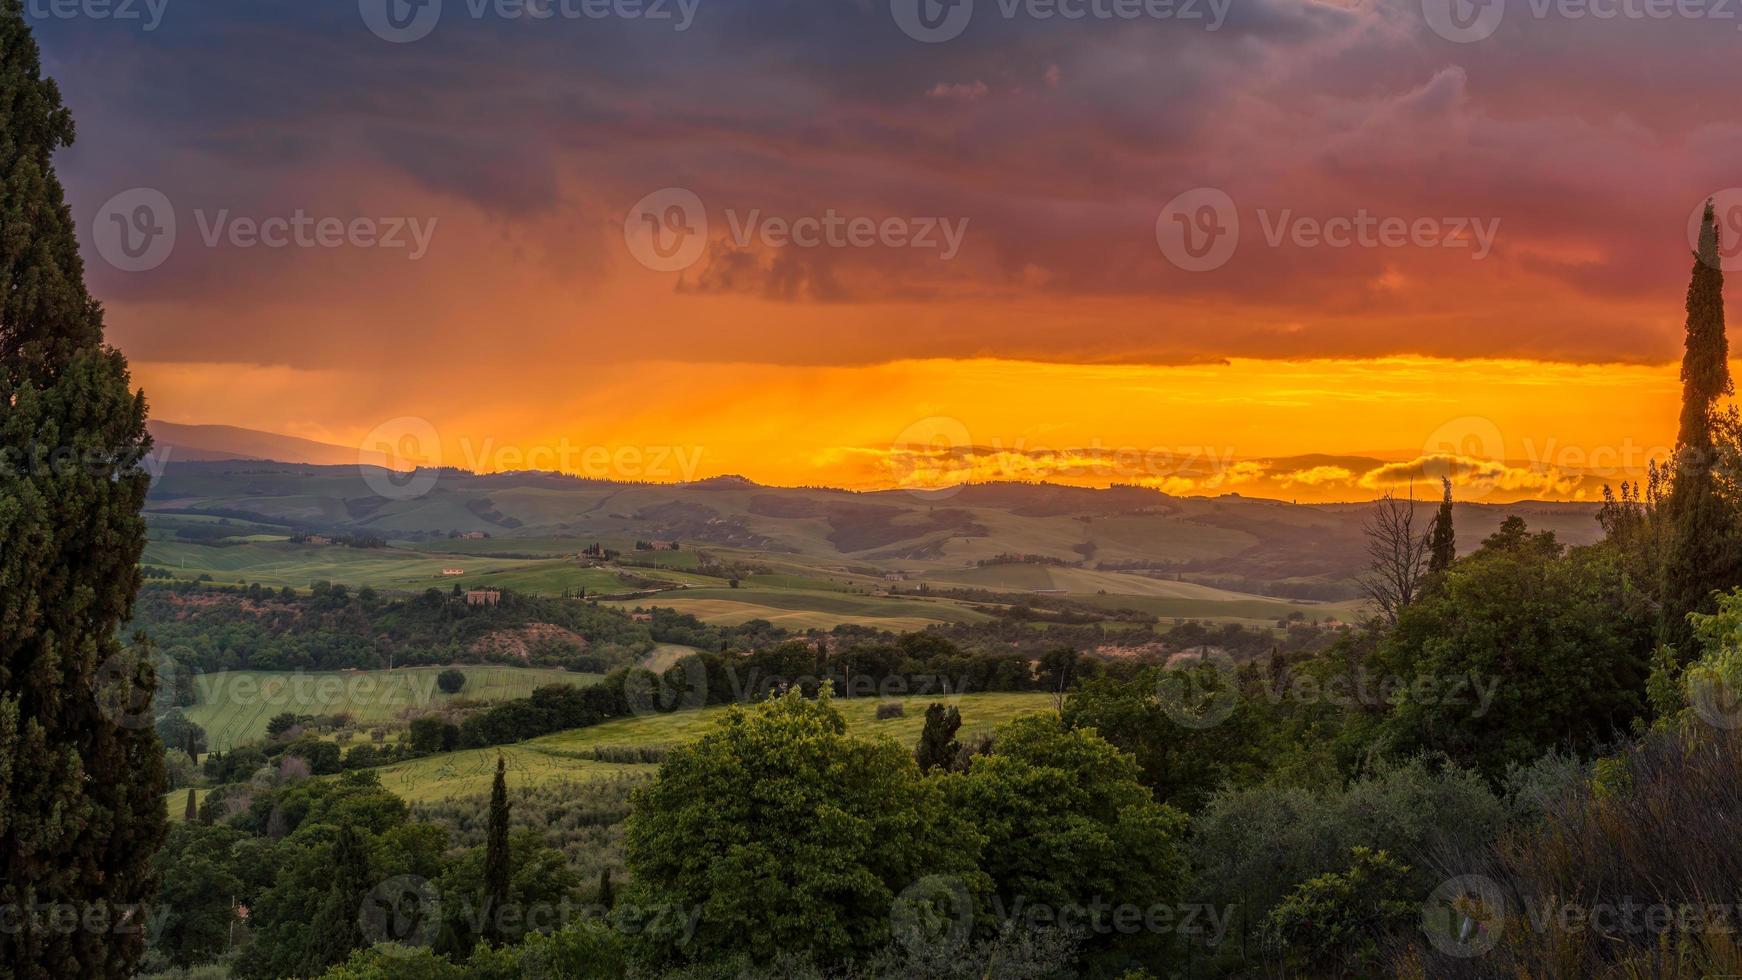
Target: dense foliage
203, 628
81, 770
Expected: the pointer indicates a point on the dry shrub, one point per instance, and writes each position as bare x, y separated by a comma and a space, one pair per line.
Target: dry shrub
1636, 873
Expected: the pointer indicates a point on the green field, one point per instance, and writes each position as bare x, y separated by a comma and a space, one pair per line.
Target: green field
235, 705
470, 773
663, 655
560, 756
807, 608
279, 563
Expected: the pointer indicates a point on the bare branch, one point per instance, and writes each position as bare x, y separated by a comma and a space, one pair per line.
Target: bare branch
1397, 556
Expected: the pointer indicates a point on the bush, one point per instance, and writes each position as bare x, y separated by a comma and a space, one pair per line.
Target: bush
1656, 837
1340, 919
451, 680
775, 827
1252, 848
891, 709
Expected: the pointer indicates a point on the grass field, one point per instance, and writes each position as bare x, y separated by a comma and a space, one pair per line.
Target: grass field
235, 705
469, 773
259, 558
806, 608
559, 756
663, 655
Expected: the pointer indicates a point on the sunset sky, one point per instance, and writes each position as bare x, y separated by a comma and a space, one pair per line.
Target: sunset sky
1530, 324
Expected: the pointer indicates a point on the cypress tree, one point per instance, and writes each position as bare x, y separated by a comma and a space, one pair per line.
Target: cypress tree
496, 867
193, 809
337, 928
1442, 542
937, 746
1700, 552
81, 784
607, 894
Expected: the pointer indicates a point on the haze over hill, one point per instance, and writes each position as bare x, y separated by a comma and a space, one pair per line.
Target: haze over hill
208, 442
939, 458
797, 553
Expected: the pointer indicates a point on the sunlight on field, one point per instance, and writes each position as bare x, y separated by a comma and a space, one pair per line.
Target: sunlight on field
235, 705
561, 755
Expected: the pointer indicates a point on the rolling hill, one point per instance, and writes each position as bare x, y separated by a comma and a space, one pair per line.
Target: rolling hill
797, 556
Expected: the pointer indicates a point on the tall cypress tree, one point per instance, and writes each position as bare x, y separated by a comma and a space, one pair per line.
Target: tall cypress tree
1442, 541
496, 866
1701, 547
337, 928
81, 805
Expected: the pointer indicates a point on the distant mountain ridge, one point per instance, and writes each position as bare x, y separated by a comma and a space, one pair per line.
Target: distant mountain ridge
220, 442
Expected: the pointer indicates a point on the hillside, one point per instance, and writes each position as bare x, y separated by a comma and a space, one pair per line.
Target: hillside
802, 557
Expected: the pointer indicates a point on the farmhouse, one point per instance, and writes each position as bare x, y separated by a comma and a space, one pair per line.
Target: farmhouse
483, 597
453, 571
474, 536
317, 539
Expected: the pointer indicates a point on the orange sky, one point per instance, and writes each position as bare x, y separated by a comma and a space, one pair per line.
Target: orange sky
1534, 328
1561, 430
